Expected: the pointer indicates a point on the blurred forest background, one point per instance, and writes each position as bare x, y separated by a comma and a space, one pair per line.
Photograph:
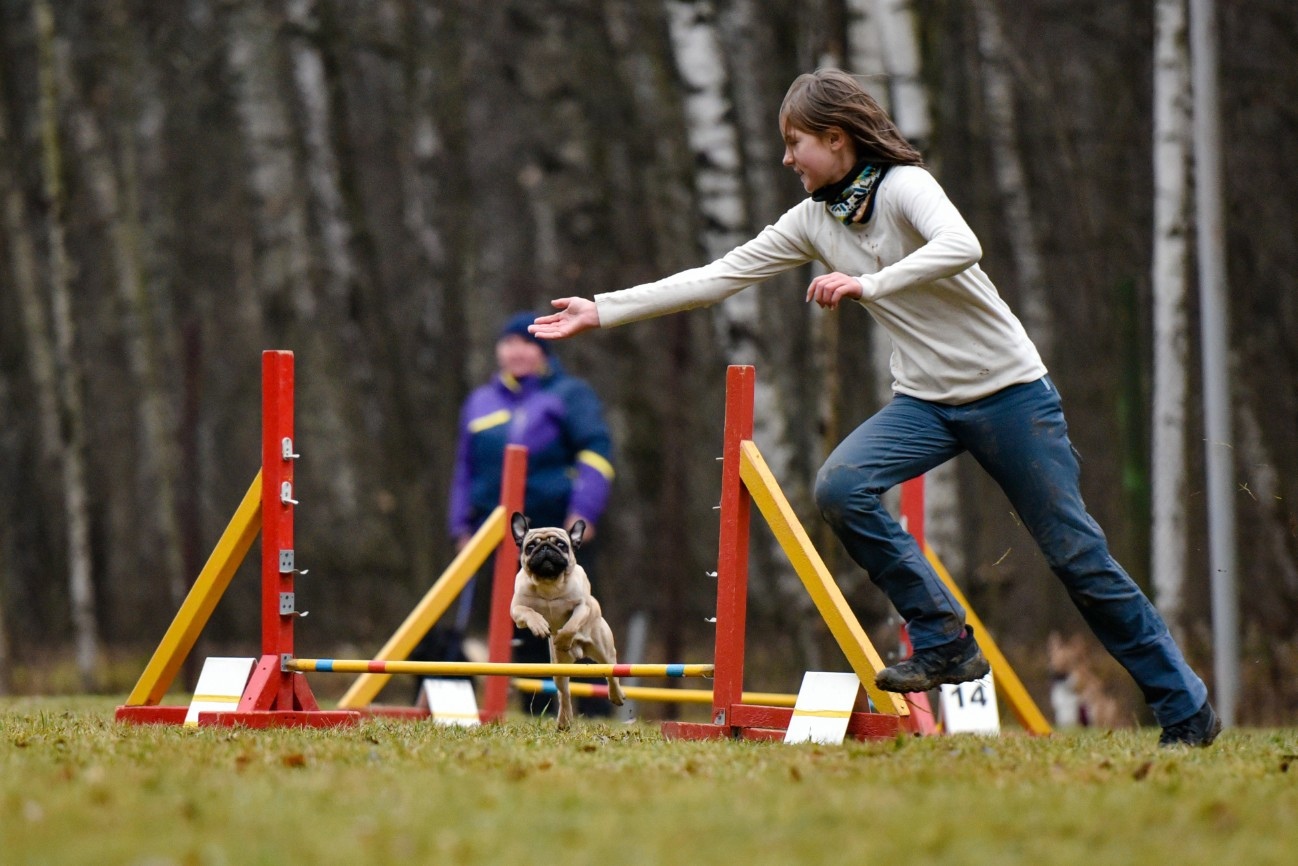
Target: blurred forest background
374, 184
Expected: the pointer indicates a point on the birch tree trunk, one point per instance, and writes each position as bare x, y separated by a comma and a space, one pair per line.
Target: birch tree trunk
72, 442
719, 182
791, 332
331, 249
913, 116
655, 194
1171, 371
865, 51
294, 178
900, 56
865, 59
882, 46
1011, 178
283, 259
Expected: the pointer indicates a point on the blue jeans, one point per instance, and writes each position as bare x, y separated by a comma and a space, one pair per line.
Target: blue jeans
1020, 437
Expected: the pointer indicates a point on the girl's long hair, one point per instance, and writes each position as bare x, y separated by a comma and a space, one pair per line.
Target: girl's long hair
818, 101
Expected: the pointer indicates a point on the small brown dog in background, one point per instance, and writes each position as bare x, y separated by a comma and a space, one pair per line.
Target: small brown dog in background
552, 599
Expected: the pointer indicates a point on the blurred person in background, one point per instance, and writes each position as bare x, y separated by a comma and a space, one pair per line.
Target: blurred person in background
529, 401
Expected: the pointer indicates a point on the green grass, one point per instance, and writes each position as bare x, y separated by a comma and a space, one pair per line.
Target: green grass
77, 788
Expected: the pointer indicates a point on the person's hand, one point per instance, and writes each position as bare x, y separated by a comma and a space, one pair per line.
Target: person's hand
828, 289
575, 315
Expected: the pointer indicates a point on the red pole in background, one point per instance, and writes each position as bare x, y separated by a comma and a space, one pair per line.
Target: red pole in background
912, 508
732, 555
500, 629
912, 520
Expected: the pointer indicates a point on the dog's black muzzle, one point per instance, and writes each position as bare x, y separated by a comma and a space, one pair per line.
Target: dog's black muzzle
547, 561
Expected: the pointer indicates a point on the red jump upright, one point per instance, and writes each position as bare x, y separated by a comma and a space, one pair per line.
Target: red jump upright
500, 628
731, 718
275, 697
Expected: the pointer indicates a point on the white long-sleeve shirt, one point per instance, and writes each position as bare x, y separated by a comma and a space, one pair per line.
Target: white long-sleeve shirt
954, 339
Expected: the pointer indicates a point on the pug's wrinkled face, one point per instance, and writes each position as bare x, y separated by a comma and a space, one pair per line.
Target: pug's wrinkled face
546, 553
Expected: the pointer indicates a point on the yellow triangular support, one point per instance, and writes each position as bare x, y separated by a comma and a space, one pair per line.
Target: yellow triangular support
843, 624
201, 600
430, 608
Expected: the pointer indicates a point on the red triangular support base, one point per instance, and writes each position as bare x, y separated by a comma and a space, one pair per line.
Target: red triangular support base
754, 722
278, 698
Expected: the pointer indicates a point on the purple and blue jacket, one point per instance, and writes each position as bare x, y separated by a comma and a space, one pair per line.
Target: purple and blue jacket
569, 451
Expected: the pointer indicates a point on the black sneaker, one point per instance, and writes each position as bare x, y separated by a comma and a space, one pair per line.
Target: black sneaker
956, 662
1198, 730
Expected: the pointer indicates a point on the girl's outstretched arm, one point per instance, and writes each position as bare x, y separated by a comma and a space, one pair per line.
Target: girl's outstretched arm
575, 315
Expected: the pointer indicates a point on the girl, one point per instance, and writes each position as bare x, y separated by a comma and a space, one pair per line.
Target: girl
967, 378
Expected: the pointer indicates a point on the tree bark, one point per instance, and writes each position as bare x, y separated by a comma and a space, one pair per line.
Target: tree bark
72, 442
901, 61
1171, 148
117, 201
719, 185
1011, 178
35, 318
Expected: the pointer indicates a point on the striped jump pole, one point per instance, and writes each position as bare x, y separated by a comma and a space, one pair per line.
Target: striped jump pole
499, 669
646, 693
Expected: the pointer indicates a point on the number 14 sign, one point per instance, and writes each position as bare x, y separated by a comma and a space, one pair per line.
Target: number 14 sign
970, 708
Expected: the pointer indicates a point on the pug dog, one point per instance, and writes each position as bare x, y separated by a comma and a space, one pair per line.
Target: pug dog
552, 599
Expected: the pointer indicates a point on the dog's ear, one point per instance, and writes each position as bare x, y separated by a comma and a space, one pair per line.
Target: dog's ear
576, 532
518, 525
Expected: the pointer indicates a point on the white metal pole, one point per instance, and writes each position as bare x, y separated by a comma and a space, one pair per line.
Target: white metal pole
1214, 333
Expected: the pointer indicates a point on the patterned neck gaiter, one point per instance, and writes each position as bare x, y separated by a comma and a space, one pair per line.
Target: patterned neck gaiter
851, 200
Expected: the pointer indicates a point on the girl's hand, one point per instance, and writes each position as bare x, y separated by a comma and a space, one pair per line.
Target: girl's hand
828, 289
575, 315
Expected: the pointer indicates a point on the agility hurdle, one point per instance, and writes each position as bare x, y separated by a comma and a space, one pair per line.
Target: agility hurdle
746, 480
273, 696
649, 693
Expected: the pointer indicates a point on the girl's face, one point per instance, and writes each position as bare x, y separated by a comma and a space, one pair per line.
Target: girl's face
818, 159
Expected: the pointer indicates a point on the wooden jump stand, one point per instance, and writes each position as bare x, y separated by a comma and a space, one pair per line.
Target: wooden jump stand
277, 694
745, 480
273, 696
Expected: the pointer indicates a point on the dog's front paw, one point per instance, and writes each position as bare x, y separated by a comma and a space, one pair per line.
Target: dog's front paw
533, 622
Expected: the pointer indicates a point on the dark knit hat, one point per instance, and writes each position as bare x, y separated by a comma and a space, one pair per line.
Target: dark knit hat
517, 325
